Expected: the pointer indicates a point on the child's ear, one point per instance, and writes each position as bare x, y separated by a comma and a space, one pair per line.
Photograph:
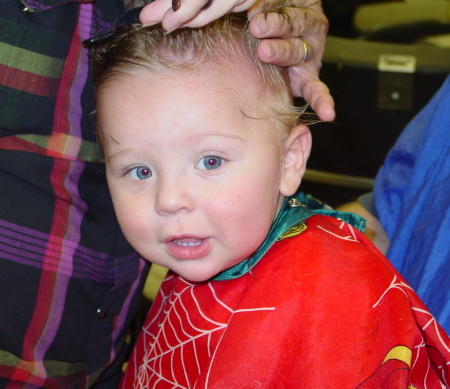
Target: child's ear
296, 151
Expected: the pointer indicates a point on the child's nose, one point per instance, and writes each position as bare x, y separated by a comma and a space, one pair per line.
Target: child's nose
172, 197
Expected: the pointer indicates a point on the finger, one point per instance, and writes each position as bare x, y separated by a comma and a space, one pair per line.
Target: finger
171, 13
153, 13
288, 22
187, 16
324, 107
260, 6
193, 14
316, 94
175, 18
284, 52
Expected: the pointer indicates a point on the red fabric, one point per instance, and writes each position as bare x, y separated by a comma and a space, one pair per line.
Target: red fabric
323, 309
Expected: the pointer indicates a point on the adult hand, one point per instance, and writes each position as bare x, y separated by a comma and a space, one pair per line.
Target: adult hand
284, 36
189, 13
285, 33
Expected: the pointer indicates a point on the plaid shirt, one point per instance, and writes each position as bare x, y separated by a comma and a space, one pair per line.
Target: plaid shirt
69, 283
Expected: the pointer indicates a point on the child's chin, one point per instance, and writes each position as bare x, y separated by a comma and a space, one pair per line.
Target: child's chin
197, 277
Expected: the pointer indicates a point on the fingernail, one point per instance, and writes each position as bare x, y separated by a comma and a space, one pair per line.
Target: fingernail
270, 51
176, 4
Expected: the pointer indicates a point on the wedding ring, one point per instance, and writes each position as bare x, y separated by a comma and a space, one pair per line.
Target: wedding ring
306, 53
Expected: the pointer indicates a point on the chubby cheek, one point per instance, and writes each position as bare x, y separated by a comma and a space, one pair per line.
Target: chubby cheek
133, 221
244, 219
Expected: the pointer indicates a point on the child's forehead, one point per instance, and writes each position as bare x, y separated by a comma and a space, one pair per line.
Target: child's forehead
201, 102
225, 87
239, 82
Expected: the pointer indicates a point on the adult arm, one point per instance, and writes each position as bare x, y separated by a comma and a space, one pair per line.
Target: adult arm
285, 32
374, 230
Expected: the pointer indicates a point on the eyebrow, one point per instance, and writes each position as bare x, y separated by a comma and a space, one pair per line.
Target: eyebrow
198, 137
201, 136
118, 154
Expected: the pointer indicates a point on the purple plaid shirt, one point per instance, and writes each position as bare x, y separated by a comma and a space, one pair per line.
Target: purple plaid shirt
70, 283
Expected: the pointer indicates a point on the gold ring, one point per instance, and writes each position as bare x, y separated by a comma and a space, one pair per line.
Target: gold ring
306, 51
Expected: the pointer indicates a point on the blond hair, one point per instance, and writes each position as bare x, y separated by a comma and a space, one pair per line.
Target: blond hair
135, 47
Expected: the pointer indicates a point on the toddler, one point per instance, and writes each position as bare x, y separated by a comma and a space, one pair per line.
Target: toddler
267, 288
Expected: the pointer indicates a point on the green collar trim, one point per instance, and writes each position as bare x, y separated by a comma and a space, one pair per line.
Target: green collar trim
295, 210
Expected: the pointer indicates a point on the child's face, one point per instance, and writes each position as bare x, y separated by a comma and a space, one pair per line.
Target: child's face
194, 177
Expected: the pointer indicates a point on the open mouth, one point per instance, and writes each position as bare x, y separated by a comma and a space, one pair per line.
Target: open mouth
188, 242
189, 248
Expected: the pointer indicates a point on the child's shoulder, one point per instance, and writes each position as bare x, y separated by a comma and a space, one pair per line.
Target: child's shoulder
331, 249
323, 233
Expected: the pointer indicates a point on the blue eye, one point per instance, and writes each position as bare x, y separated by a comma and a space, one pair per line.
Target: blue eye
209, 163
140, 173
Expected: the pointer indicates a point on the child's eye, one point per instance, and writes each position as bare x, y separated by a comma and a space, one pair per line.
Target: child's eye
140, 173
209, 163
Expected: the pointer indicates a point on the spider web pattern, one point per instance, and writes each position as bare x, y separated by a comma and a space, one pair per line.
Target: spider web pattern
423, 356
181, 341
192, 326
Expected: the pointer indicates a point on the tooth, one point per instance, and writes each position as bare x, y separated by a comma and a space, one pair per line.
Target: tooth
187, 244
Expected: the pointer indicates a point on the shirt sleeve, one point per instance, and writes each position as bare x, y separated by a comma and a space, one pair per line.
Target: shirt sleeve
413, 203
